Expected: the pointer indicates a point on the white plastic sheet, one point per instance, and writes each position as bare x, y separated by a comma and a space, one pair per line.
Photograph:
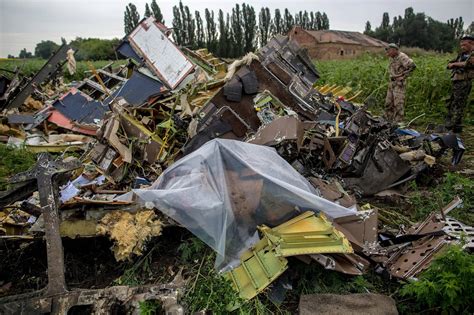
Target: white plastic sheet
224, 190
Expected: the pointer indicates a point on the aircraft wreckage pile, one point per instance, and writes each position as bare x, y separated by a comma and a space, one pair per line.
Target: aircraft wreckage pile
250, 157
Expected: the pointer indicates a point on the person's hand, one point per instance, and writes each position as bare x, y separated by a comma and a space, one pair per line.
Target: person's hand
459, 64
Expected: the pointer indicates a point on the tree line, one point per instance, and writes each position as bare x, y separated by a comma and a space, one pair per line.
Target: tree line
86, 49
230, 34
418, 30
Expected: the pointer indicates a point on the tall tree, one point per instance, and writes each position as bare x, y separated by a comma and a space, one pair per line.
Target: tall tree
470, 28
178, 28
156, 11
457, 26
368, 29
325, 21
418, 30
278, 22
131, 18
319, 21
25, 54
190, 27
288, 21
264, 24
147, 11
45, 49
224, 39
184, 23
236, 26
250, 25
199, 30
306, 20
384, 32
211, 31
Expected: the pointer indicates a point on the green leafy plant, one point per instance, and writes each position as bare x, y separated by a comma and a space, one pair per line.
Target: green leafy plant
209, 290
14, 160
446, 286
149, 307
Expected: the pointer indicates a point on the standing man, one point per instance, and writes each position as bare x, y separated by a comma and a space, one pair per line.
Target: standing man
463, 73
399, 69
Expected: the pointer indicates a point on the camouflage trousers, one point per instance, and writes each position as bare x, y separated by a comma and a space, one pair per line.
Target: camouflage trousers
395, 101
457, 103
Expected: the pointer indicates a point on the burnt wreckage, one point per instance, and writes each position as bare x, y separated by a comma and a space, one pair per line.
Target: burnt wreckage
254, 159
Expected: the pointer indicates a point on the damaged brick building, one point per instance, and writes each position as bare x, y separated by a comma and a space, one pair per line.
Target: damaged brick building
331, 44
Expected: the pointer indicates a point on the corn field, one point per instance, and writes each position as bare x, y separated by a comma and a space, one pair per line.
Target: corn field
428, 87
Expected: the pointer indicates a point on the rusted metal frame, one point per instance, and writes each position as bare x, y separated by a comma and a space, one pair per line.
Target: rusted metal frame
52, 66
44, 172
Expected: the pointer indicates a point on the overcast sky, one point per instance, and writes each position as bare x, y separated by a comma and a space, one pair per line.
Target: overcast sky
23, 23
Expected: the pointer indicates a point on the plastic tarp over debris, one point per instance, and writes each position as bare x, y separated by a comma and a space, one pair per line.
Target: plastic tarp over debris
224, 190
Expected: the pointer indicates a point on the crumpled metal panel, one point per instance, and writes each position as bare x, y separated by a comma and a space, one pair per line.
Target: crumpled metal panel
410, 261
307, 234
259, 266
384, 167
286, 128
264, 262
78, 107
138, 89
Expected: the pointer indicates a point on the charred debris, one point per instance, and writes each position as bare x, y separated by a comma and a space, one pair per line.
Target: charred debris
251, 157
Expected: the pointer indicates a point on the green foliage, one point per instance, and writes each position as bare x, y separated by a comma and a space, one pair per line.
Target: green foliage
315, 279
156, 12
31, 66
150, 307
264, 25
45, 49
250, 25
147, 11
137, 271
25, 54
93, 49
418, 30
211, 31
423, 202
191, 249
14, 160
207, 290
131, 17
446, 286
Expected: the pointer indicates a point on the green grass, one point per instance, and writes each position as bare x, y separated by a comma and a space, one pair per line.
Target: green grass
424, 201
14, 160
428, 87
446, 287
29, 67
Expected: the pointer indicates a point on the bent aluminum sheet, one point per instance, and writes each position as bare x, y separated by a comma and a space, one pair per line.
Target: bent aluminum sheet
224, 190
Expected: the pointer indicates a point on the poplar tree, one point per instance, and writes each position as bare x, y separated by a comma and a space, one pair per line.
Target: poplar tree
236, 26
250, 26
131, 18
264, 24
211, 31
278, 23
199, 30
155, 9
147, 11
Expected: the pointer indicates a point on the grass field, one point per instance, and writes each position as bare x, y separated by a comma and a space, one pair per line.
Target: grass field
31, 66
428, 87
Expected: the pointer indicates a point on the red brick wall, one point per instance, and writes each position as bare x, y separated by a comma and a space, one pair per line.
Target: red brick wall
326, 51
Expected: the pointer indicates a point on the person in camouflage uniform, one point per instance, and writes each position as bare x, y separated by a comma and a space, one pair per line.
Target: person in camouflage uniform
463, 73
399, 69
